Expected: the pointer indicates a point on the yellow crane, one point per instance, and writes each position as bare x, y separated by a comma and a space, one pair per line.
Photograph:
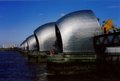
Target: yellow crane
108, 25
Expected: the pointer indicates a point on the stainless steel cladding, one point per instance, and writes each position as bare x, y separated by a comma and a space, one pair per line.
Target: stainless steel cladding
32, 45
46, 37
77, 30
24, 45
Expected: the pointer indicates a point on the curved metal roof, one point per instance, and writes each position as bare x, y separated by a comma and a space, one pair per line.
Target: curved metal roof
32, 45
46, 36
77, 30
24, 45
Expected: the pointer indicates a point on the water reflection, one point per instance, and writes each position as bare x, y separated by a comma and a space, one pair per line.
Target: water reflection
97, 71
13, 67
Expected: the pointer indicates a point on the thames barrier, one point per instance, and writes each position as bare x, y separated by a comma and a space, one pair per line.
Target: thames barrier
73, 48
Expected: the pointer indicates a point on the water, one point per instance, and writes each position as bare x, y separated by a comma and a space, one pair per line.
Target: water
14, 67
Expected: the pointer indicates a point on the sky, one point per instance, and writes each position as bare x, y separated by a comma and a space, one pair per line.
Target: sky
18, 19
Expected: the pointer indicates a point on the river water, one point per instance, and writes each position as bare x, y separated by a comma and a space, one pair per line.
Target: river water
14, 67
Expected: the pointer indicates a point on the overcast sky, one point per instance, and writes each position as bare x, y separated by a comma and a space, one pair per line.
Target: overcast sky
18, 19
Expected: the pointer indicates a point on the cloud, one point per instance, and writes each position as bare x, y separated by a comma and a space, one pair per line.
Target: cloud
62, 14
114, 6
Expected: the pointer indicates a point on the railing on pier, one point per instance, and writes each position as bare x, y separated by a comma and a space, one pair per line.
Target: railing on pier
105, 40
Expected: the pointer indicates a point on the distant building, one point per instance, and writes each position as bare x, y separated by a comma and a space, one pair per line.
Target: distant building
10, 45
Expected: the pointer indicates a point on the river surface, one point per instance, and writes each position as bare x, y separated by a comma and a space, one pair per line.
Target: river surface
14, 67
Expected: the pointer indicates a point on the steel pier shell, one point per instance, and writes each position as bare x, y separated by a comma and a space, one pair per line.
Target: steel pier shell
77, 30
46, 36
32, 45
24, 45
